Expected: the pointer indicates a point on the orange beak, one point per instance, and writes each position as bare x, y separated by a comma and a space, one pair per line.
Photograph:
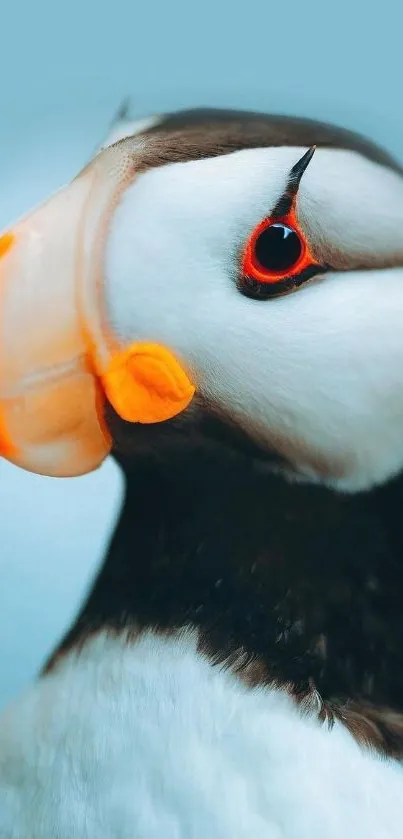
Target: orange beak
58, 358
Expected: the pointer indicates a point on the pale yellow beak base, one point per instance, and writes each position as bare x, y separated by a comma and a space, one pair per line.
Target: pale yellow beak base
50, 400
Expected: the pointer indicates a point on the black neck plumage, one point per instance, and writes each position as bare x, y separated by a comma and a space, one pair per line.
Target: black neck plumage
302, 581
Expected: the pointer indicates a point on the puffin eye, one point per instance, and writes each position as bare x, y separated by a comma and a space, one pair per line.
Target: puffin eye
276, 259
278, 249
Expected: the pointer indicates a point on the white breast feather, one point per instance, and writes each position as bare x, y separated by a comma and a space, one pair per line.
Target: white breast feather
148, 741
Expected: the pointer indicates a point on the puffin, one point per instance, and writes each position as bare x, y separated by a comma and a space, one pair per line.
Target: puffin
217, 301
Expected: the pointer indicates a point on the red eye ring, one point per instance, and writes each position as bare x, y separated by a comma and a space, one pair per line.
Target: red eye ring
276, 251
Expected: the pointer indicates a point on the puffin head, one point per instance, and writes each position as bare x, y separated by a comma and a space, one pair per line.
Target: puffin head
237, 273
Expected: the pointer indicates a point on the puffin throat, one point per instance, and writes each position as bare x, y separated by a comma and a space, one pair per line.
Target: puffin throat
287, 585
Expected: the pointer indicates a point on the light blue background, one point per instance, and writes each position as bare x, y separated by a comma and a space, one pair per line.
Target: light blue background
63, 70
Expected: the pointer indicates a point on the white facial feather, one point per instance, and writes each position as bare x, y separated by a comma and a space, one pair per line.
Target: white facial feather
318, 375
352, 208
150, 741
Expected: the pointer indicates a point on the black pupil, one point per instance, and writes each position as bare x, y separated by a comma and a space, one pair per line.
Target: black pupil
278, 248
